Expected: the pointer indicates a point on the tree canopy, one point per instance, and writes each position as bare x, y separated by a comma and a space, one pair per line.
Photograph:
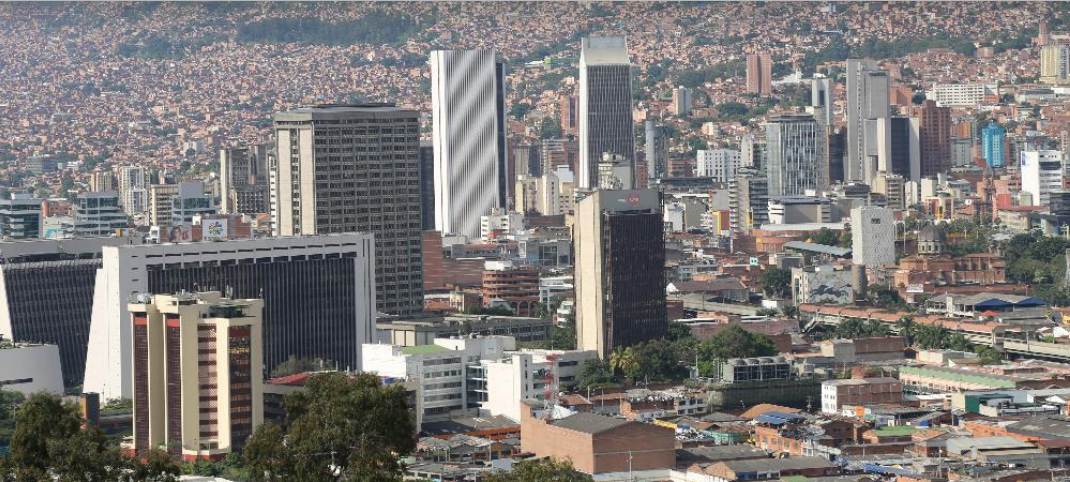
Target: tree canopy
541, 470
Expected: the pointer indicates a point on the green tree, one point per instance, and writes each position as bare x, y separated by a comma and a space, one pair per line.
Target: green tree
622, 359
735, 342
855, 328
657, 360
563, 335
550, 128
9, 403
677, 331
593, 373
294, 365
541, 470
886, 298
775, 282
827, 237
353, 424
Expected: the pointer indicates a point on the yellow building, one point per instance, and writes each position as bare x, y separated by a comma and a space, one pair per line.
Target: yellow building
1054, 63
198, 373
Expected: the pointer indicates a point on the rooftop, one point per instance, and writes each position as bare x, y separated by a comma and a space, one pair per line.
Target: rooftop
423, 350
590, 423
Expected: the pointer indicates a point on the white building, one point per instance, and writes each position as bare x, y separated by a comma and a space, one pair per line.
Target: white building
548, 195
29, 369
133, 189
961, 151
293, 275
1042, 172
962, 95
524, 375
500, 224
468, 132
873, 236
867, 101
797, 155
98, 214
720, 164
190, 201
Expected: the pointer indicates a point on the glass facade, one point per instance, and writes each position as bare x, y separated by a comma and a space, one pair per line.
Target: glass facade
634, 271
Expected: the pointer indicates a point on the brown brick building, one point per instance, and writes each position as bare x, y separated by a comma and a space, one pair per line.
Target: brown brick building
934, 137
597, 444
517, 286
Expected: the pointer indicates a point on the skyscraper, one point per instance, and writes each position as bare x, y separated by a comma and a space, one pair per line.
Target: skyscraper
133, 189
681, 101
760, 73
240, 168
368, 180
905, 149
797, 157
656, 150
1042, 173
466, 130
821, 99
427, 185
752, 151
994, 145
318, 293
605, 105
873, 236
867, 101
198, 373
934, 136
620, 270
569, 110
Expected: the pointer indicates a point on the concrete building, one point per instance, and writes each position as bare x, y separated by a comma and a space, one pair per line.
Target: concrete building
994, 145
755, 369
29, 369
133, 189
20, 217
934, 136
318, 293
799, 210
1054, 64
958, 95
517, 286
748, 201
468, 109
656, 150
760, 73
873, 236
198, 373
718, 164
424, 330
243, 171
822, 284
868, 92
499, 224
98, 214
681, 101
797, 155
962, 152
597, 444
1042, 173
569, 110
102, 180
893, 187
160, 203
539, 375
620, 270
860, 391
380, 193
822, 99
752, 152
605, 105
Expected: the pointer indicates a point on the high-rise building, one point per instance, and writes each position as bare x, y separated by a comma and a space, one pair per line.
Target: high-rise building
517, 286
748, 200
560, 153
98, 214
20, 217
934, 136
994, 145
620, 270
102, 180
190, 200
318, 293
1042, 173
797, 159
1054, 63
760, 73
160, 202
569, 110
240, 168
605, 105
893, 187
867, 101
615, 173
469, 163
752, 152
133, 189
962, 151
656, 150
427, 185
872, 236
905, 149
198, 373
718, 164
368, 182
821, 99
963, 95
681, 101
526, 160
837, 154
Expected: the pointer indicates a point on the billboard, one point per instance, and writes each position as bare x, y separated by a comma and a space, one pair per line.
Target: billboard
214, 229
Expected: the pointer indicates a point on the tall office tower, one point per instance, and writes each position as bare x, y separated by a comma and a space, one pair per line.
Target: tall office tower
133, 189
548, 195
718, 164
198, 373
160, 196
821, 99
427, 185
526, 160
905, 159
20, 217
752, 152
98, 214
867, 101
893, 187
994, 145
560, 152
318, 292
569, 110
760, 73
656, 150
748, 200
506, 175
47, 296
1042, 173
189, 201
681, 101
797, 159
873, 236
239, 170
102, 180
837, 154
1054, 63
373, 186
465, 131
605, 105
934, 135
620, 270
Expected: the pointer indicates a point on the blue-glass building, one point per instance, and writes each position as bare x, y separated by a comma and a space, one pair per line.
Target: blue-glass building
993, 144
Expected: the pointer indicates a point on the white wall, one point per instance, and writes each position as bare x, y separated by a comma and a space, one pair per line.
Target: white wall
39, 363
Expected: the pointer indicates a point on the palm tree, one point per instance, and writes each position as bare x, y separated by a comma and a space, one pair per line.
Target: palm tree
621, 359
906, 329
